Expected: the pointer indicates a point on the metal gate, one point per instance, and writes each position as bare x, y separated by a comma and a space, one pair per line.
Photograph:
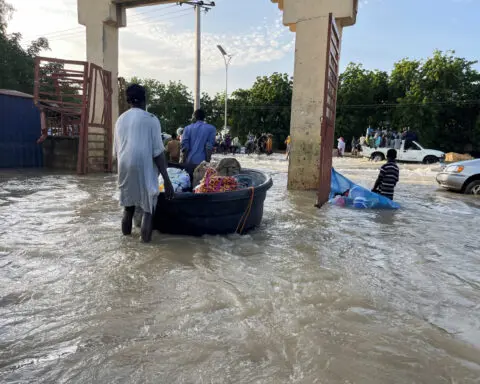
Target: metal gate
60, 95
96, 147
75, 100
329, 111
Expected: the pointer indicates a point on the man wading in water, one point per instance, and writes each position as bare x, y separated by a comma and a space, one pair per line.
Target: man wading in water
140, 153
198, 140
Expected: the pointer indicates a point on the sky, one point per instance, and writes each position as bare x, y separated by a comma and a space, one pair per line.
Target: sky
159, 40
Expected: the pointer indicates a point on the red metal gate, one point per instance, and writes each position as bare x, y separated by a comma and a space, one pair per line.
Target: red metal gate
60, 95
329, 112
96, 147
67, 92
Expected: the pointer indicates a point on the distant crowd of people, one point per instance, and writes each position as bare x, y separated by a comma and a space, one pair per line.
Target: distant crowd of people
387, 138
377, 138
223, 144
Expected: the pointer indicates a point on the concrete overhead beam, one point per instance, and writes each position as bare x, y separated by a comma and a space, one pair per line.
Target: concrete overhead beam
296, 11
142, 3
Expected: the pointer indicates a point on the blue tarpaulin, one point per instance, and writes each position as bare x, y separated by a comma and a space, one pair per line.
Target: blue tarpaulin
345, 193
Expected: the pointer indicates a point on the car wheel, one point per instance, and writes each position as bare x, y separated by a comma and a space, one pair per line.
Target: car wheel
378, 157
473, 188
431, 160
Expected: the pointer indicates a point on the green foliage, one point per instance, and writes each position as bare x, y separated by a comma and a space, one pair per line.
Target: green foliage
214, 109
172, 103
443, 103
360, 94
6, 11
16, 63
264, 108
439, 98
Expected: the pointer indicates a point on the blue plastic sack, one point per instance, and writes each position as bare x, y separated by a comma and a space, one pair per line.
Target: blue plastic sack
179, 178
345, 193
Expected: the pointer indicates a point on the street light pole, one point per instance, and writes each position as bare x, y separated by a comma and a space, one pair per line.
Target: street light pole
227, 58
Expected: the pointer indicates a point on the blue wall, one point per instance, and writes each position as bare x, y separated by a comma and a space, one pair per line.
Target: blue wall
20, 129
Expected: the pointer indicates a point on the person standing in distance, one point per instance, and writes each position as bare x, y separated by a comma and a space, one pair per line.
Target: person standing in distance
198, 140
288, 143
173, 149
388, 177
341, 147
140, 154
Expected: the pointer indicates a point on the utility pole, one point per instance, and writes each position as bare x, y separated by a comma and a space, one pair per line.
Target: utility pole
198, 5
227, 58
198, 56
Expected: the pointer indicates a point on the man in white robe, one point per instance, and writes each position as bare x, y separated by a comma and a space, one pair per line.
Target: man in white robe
140, 154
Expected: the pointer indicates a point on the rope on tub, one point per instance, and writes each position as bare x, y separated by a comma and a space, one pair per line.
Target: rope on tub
246, 215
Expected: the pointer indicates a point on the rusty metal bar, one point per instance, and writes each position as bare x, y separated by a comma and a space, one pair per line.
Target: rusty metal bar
73, 95
94, 71
66, 103
61, 61
109, 122
36, 81
83, 124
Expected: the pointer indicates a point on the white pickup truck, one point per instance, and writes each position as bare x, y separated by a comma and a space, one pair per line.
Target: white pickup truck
414, 154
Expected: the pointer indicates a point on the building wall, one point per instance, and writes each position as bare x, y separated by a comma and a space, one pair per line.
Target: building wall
19, 131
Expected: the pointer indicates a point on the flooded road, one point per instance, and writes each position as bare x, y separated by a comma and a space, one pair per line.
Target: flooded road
313, 296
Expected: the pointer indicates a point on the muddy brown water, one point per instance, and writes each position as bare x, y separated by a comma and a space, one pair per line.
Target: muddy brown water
313, 296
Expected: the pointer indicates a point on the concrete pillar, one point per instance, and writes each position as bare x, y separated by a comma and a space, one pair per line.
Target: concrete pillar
310, 20
102, 20
307, 104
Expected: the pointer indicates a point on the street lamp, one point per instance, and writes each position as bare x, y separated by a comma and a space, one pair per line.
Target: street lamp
227, 58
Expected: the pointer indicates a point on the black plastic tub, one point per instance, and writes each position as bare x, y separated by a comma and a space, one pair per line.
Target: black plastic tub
214, 213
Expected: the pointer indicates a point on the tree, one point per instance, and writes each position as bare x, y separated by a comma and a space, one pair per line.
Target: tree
441, 101
214, 108
172, 103
439, 98
361, 101
16, 64
6, 11
265, 108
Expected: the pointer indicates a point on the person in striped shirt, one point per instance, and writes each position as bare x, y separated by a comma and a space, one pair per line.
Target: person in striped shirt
388, 177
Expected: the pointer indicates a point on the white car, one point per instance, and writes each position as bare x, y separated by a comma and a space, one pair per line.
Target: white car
414, 154
463, 177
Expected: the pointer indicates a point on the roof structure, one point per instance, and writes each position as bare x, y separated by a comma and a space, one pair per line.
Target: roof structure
10, 92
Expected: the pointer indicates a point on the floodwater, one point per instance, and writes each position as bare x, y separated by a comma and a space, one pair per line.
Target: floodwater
313, 296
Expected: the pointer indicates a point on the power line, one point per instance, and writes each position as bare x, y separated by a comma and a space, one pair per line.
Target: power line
79, 29
451, 102
276, 107
181, 13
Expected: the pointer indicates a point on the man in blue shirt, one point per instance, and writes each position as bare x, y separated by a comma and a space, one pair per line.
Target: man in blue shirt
198, 140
